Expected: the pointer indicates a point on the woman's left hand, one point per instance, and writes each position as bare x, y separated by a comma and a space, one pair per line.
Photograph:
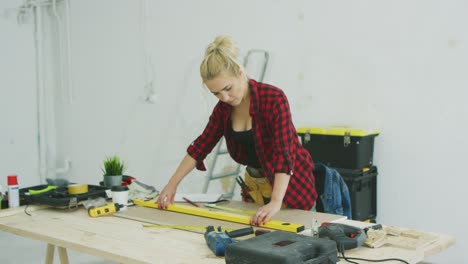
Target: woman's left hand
265, 213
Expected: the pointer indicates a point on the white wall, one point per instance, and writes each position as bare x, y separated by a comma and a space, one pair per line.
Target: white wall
18, 133
396, 66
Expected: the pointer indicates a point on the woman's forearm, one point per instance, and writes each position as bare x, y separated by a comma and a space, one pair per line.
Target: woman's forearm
166, 196
185, 166
279, 188
265, 212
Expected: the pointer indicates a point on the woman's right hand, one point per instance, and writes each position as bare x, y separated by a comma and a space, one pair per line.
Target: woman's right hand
166, 196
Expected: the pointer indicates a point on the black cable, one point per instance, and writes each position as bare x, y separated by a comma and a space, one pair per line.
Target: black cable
26, 207
374, 260
342, 253
370, 260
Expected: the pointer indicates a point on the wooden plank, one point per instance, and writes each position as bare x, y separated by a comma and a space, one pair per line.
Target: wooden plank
126, 241
50, 254
21, 210
113, 238
63, 255
164, 217
411, 251
286, 214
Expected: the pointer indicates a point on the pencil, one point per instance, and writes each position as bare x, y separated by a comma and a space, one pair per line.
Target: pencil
190, 202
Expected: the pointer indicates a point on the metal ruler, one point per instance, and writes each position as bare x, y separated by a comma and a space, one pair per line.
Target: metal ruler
226, 216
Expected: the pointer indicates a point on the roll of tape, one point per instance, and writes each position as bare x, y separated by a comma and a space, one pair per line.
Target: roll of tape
77, 188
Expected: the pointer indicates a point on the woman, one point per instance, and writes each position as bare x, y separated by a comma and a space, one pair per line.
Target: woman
256, 122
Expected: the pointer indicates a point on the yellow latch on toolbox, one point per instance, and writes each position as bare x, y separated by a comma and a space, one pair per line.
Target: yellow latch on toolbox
345, 132
337, 131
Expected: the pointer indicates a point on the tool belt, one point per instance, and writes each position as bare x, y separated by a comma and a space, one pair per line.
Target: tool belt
258, 188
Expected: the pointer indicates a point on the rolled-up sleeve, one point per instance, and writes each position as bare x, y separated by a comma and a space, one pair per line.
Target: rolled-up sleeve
205, 143
284, 133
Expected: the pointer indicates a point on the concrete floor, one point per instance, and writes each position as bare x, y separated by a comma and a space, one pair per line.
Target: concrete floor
16, 249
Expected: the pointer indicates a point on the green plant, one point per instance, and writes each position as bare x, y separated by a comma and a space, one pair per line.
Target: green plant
113, 166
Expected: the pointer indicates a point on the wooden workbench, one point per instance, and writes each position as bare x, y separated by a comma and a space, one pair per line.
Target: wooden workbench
125, 240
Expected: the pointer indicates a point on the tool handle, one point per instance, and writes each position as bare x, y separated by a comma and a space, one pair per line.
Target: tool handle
44, 190
240, 232
374, 227
260, 232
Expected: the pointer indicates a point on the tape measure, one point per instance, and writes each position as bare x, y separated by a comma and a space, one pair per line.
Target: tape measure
185, 227
230, 209
77, 188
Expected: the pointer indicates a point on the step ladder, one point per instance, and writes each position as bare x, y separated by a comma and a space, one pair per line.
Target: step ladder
219, 149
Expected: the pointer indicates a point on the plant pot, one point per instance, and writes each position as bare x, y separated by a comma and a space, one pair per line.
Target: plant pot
112, 180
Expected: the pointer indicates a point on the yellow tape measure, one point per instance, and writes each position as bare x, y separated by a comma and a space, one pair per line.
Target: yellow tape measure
77, 189
230, 209
226, 216
185, 227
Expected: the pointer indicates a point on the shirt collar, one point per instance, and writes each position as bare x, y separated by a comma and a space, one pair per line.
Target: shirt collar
254, 97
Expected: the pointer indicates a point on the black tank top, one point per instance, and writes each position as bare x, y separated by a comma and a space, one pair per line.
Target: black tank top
245, 138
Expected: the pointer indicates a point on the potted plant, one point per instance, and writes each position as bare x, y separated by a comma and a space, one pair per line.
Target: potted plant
113, 171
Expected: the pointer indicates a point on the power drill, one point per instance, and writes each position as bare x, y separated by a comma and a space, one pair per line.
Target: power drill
217, 240
345, 236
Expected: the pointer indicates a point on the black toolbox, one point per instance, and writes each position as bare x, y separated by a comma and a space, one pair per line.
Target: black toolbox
280, 247
362, 185
339, 147
59, 197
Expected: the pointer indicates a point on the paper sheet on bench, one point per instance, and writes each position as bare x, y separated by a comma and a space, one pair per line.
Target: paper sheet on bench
198, 197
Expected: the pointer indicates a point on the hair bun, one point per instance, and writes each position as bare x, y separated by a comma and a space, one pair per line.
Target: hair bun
223, 41
221, 55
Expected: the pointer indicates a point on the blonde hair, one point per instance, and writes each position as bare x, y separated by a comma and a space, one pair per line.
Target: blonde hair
220, 57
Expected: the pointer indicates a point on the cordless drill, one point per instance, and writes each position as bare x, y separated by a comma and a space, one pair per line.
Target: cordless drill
217, 240
345, 236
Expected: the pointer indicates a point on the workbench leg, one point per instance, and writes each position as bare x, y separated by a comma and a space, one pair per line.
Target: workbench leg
63, 255
50, 254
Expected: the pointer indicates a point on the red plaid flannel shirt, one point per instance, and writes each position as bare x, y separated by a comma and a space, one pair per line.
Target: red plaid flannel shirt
276, 143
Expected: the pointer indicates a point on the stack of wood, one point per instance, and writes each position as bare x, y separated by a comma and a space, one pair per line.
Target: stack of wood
398, 237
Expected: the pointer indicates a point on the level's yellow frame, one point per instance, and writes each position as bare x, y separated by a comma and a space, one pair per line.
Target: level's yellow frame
226, 216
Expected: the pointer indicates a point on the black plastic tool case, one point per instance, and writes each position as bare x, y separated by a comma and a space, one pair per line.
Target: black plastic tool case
362, 185
280, 247
59, 197
339, 147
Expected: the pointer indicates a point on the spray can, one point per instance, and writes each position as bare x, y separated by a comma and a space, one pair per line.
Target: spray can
13, 191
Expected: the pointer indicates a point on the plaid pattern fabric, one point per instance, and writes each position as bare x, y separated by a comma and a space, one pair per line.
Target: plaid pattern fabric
276, 143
